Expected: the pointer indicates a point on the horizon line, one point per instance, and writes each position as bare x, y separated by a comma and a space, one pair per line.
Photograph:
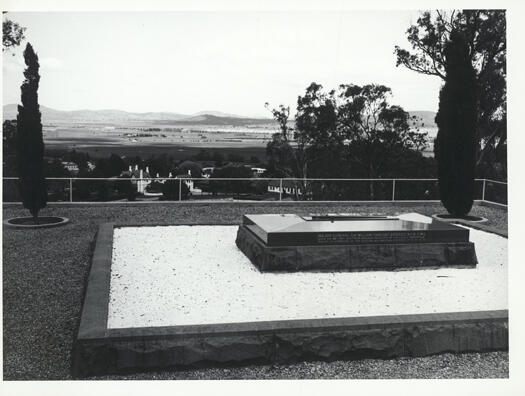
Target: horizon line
201, 112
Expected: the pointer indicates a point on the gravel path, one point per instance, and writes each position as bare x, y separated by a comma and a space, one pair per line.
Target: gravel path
45, 271
185, 275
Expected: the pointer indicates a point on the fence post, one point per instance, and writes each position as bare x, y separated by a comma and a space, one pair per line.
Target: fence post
393, 189
280, 189
483, 192
180, 188
70, 189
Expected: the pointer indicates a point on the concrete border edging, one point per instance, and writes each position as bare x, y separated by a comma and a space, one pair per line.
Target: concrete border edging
439, 216
99, 350
61, 222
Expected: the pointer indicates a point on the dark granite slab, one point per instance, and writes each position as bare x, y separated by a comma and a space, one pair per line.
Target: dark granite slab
294, 230
355, 257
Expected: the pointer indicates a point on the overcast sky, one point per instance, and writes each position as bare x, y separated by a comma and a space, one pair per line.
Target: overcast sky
233, 62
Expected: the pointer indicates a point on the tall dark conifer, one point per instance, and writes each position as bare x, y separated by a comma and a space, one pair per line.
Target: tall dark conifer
455, 144
30, 143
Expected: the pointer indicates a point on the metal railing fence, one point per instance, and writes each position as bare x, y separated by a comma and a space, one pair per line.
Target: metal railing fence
91, 189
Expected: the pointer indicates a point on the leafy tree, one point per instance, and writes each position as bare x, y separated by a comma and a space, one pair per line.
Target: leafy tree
81, 159
293, 150
202, 155
103, 191
30, 143
136, 161
236, 187
315, 131
485, 34
115, 165
161, 164
55, 168
260, 187
12, 34
109, 167
9, 136
218, 158
397, 163
375, 128
193, 167
332, 129
154, 187
455, 145
316, 118
407, 163
9, 147
367, 120
235, 157
170, 190
282, 161
101, 168
126, 188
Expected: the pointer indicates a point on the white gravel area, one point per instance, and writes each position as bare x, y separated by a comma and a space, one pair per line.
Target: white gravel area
182, 275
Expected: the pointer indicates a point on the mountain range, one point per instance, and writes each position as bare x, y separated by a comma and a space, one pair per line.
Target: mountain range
208, 117
49, 114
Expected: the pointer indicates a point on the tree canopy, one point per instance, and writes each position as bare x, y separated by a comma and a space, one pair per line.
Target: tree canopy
9, 148
29, 139
366, 117
194, 168
333, 129
455, 144
12, 34
282, 158
485, 35
358, 115
236, 187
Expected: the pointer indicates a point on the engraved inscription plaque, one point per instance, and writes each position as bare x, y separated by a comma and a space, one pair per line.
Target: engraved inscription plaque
340, 238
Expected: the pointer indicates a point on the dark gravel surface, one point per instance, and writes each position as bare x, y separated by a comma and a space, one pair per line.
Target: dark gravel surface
44, 274
471, 365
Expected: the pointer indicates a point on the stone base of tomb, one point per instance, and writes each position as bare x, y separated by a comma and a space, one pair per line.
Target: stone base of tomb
363, 257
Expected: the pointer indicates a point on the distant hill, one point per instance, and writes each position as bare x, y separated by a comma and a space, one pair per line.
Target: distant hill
218, 114
210, 117
50, 115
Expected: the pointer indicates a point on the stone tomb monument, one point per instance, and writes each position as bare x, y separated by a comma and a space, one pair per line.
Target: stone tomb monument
288, 242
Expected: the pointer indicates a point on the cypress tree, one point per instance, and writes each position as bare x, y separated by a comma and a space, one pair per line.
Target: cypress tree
455, 144
30, 142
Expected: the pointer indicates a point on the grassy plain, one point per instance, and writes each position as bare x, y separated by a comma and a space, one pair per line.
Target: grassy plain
146, 140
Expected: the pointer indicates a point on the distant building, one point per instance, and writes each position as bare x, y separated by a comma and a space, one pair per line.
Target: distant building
70, 166
207, 171
288, 187
142, 178
189, 182
258, 171
138, 177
